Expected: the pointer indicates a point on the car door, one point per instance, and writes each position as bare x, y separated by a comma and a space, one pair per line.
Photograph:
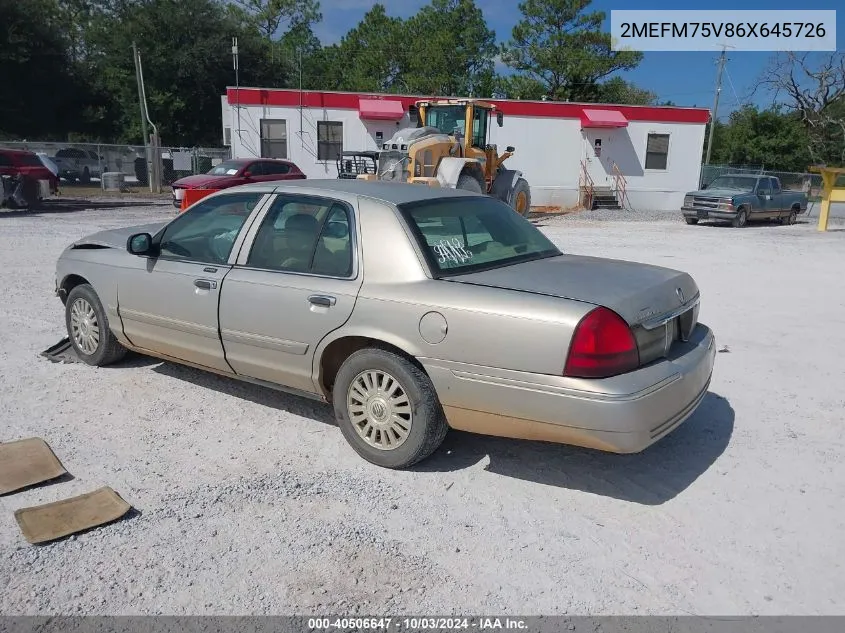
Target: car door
168, 303
295, 281
776, 200
760, 199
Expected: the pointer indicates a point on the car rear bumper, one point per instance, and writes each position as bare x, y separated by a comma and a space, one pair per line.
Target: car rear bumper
622, 414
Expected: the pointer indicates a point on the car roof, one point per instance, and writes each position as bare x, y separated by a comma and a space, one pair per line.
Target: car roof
19, 152
391, 192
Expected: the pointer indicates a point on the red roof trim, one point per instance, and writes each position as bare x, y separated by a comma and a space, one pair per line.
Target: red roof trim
593, 117
551, 109
380, 109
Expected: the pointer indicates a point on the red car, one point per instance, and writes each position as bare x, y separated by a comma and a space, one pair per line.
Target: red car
237, 171
24, 162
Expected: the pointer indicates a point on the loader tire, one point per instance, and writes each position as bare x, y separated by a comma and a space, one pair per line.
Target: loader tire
468, 182
521, 198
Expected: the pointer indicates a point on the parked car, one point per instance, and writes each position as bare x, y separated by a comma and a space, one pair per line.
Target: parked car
15, 163
48, 163
79, 165
237, 171
740, 198
411, 309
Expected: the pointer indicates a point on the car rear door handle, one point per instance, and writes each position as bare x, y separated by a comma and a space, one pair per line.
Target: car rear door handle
322, 300
205, 284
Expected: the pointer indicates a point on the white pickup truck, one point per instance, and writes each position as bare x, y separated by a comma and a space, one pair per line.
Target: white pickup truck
79, 164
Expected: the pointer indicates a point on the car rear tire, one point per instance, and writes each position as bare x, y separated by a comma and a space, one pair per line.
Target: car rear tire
387, 409
88, 328
792, 218
741, 219
691, 220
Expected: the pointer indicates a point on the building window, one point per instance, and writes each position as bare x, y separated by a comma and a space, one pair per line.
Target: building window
274, 138
657, 151
329, 140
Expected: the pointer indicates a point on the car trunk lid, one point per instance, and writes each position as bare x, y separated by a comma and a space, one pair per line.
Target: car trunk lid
660, 304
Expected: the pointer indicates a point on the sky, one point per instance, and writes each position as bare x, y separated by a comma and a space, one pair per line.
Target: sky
685, 78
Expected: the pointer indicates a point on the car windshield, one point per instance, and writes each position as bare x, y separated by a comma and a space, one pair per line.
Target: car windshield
739, 183
468, 234
226, 168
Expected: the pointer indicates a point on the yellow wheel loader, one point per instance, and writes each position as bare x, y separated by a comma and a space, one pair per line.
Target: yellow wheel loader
450, 148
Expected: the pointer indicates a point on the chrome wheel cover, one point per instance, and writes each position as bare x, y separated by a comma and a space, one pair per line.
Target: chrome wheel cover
84, 327
379, 409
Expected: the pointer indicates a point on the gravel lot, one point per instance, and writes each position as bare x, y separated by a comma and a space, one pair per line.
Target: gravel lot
250, 501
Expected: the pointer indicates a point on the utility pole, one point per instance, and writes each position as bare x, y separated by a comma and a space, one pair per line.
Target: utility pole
722, 60
143, 113
236, 67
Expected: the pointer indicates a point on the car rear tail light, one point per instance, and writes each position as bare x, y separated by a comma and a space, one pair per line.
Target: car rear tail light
602, 346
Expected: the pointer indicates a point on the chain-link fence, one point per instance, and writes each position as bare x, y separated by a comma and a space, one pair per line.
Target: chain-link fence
87, 162
811, 183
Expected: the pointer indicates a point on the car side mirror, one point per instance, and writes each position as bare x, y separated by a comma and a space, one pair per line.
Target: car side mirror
140, 244
247, 174
763, 193
500, 118
510, 148
704, 186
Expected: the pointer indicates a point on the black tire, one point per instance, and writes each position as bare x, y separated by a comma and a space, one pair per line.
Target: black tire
792, 218
741, 219
428, 426
691, 220
468, 182
108, 349
521, 188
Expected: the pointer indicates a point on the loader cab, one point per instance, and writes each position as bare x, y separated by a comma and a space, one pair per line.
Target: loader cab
468, 121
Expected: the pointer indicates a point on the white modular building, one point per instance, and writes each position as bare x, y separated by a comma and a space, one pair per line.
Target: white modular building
647, 157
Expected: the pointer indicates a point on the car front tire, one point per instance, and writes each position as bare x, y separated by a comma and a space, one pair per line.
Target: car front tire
88, 328
387, 409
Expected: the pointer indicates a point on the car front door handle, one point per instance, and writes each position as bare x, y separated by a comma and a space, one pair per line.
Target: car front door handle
205, 284
322, 300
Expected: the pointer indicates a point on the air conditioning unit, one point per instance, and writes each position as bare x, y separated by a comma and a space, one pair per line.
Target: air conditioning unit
227, 136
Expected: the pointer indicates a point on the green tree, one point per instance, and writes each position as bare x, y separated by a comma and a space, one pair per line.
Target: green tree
45, 93
617, 90
271, 16
187, 62
558, 46
450, 50
370, 57
773, 138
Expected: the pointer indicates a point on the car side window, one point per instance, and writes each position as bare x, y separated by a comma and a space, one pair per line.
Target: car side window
256, 169
5, 161
207, 232
304, 235
276, 168
775, 185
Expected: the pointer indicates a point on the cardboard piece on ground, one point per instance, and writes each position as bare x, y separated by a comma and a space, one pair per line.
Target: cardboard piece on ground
51, 521
61, 352
24, 463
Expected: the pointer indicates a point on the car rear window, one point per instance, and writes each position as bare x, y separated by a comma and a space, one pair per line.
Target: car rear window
29, 160
468, 234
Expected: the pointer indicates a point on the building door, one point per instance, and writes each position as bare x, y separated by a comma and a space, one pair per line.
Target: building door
596, 143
